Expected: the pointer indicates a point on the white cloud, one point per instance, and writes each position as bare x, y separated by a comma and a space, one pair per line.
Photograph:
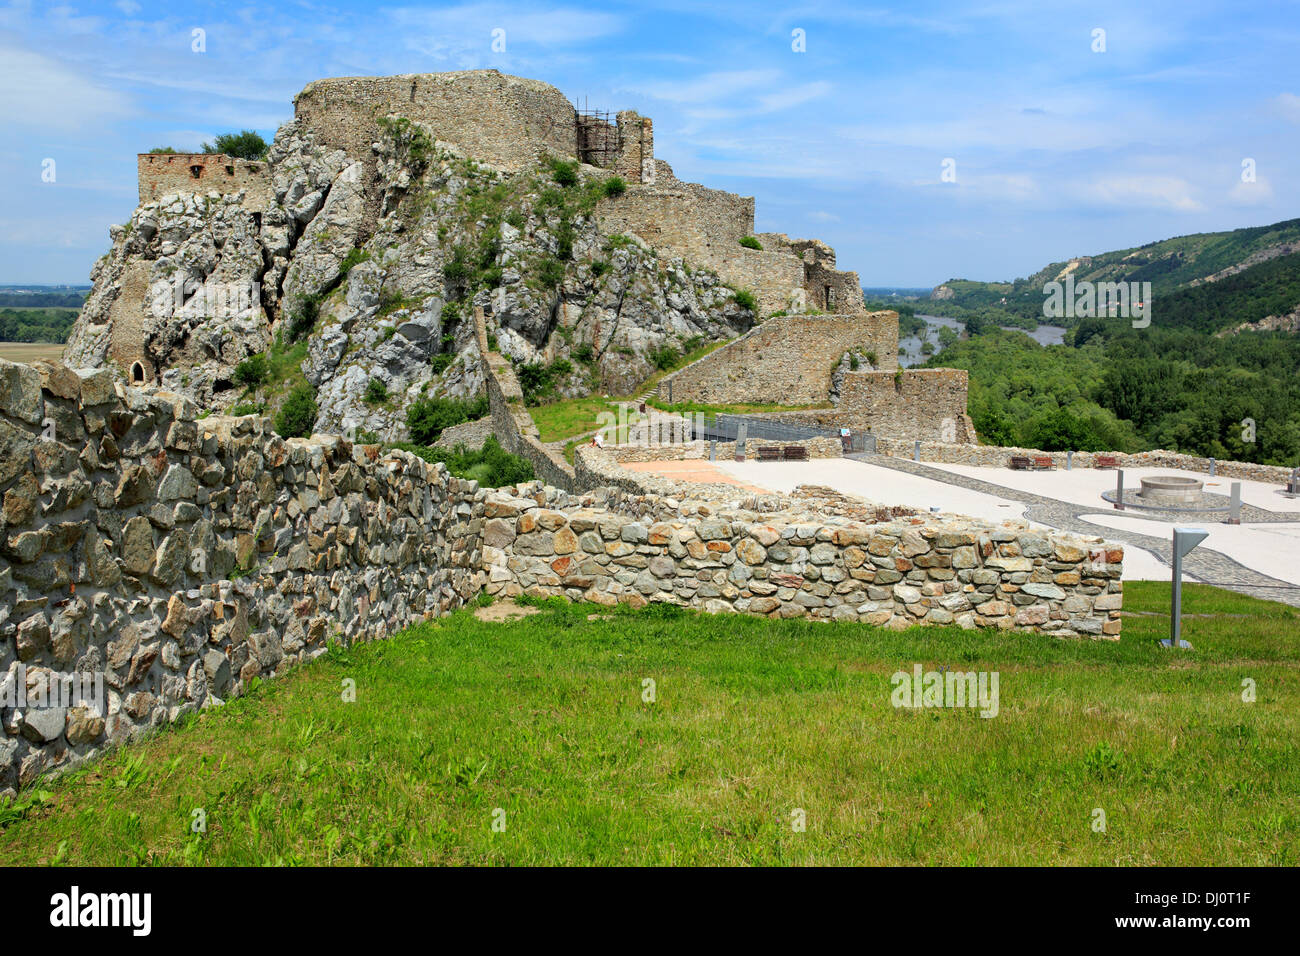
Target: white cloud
1258, 193
129, 7
820, 215
1143, 192
463, 34
42, 92
1289, 104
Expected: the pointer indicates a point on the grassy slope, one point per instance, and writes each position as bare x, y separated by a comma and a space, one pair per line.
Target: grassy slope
544, 719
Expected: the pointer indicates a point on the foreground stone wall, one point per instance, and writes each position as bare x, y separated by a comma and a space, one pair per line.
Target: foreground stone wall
896, 573
163, 173
786, 360
180, 558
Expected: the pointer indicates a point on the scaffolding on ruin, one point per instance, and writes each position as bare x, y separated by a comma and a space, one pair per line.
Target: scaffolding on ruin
598, 136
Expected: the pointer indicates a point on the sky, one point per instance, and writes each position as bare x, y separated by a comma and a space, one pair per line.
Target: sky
924, 141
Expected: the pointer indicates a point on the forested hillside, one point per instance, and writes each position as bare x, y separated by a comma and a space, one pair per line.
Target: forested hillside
1113, 387
1253, 273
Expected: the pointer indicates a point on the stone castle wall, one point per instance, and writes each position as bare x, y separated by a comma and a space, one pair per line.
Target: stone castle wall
502, 120
180, 558
785, 360
922, 404
511, 423
163, 173
704, 226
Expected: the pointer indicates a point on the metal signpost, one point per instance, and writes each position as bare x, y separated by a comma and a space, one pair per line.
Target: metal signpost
1234, 507
1184, 540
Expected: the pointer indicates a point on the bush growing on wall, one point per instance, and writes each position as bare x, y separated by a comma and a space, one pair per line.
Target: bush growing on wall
298, 414
749, 242
427, 418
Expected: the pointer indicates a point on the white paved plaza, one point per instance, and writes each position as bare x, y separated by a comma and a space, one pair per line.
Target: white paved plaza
1272, 548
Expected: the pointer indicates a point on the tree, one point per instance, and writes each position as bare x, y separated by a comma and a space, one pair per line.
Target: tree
245, 145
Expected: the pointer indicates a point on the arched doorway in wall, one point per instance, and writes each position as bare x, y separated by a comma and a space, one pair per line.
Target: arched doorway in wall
137, 373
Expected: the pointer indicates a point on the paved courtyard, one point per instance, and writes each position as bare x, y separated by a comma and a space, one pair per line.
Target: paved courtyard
1259, 557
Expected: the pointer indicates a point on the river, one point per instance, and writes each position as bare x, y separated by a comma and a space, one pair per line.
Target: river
909, 353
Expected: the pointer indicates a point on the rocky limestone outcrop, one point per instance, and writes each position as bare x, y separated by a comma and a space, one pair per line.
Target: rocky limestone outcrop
365, 269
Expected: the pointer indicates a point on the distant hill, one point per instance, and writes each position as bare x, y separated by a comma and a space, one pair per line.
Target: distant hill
1208, 281
43, 297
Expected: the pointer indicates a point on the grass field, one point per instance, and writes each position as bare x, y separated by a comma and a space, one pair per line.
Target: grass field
565, 419
540, 725
27, 352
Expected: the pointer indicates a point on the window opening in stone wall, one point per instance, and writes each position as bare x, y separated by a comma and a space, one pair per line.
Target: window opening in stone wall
830, 298
196, 171
137, 372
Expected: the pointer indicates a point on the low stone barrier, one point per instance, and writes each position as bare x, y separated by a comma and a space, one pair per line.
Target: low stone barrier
897, 573
996, 456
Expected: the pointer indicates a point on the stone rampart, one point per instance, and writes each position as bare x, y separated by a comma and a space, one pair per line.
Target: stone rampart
926, 404
503, 120
511, 423
174, 559
785, 360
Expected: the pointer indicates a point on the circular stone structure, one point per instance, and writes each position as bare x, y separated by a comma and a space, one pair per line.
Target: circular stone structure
1177, 490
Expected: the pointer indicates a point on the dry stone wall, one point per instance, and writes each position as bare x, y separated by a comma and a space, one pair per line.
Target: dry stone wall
176, 559
173, 559
896, 573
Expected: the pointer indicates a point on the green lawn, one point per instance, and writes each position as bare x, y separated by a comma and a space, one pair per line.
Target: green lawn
568, 418
753, 720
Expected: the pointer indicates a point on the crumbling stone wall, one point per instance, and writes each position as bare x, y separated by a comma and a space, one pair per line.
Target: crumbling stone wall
999, 456
179, 558
786, 360
502, 120
907, 571
511, 423
921, 404
163, 173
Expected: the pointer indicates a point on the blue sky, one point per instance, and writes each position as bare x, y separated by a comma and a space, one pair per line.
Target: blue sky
1058, 150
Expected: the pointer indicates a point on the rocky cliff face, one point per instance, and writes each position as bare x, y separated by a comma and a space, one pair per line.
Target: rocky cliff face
368, 272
